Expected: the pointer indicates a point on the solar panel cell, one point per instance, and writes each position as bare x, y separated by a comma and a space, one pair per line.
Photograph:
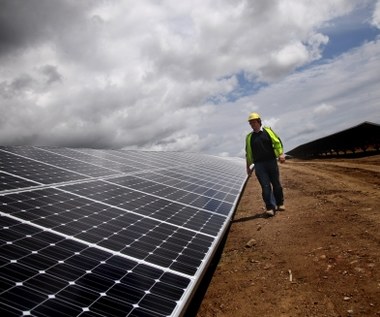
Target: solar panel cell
83, 296
22, 298
13, 252
157, 304
167, 291
81, 261
66, 272
107, 306
37, 261
46, 284
57, 308
9, 182
110, 271
17, 273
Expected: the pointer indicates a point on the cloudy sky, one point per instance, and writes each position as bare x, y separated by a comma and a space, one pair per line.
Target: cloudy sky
184, 75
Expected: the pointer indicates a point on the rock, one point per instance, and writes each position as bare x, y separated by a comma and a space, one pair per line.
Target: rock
359, 269
251, 243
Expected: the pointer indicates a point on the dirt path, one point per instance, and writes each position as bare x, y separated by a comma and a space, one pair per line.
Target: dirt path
320, 257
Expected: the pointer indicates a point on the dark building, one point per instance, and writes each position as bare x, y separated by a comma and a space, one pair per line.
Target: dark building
360, 140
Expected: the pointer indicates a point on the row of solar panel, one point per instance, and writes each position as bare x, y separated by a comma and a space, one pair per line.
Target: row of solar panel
67, 168
164, 212
44, 274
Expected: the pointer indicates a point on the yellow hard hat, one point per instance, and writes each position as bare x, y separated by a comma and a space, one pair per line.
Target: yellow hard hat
253, 116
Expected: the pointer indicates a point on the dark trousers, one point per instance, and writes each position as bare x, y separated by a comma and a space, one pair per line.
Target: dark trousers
268, 175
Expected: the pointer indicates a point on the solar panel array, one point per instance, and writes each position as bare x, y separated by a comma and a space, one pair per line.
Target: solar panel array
89, 232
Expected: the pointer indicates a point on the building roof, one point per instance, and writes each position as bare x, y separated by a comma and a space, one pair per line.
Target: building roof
360, 138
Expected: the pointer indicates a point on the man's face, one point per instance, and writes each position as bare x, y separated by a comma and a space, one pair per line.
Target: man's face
255, 125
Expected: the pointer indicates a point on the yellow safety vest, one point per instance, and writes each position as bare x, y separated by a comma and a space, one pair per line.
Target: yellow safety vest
276, 144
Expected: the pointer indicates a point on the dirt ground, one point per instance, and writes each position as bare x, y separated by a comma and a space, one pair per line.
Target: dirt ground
320, 257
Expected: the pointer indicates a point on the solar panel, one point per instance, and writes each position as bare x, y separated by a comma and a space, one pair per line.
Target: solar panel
87, 232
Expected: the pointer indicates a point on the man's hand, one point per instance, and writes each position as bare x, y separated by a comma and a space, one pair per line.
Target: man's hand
281, 158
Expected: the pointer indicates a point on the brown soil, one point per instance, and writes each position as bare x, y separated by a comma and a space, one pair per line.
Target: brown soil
320, 257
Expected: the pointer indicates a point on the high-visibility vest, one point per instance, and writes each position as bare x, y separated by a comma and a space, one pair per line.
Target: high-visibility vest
276, 144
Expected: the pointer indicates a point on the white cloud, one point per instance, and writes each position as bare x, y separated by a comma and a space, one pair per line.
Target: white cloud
376, 15
291, 56
324, 109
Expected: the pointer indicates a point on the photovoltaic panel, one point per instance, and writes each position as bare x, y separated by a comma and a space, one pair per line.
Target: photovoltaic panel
126, 158
44, 274
9, 182
61, 161
102, 160
109, 233
186, 197
34, 170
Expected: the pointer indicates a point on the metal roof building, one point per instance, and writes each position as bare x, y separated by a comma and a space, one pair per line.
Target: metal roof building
363, 138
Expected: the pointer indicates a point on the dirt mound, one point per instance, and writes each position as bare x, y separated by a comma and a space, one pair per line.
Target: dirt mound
320, 257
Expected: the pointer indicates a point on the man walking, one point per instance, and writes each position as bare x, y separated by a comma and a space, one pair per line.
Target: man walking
263, 147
